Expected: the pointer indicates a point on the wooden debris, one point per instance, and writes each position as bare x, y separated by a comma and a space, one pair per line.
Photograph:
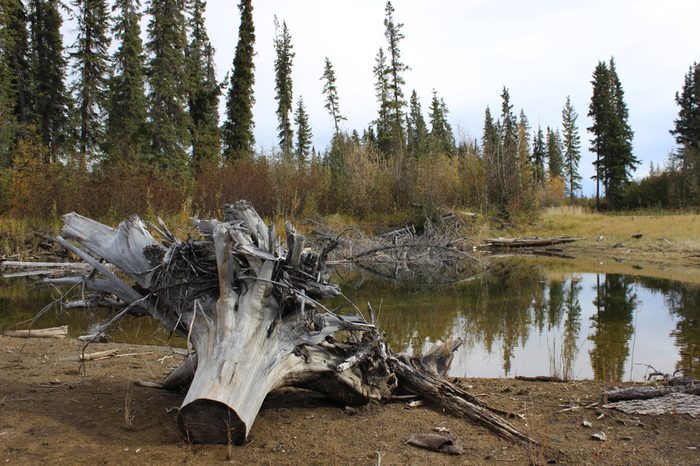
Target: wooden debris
53, 332
250, 310
527, 242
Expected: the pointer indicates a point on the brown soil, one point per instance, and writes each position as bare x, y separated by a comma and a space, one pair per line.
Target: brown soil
53, 413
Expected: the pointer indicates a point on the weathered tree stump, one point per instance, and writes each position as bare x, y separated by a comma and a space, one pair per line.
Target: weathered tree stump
250, 311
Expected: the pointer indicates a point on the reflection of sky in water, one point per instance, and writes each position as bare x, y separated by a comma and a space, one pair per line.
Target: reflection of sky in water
521, 323
650, 344
512, 322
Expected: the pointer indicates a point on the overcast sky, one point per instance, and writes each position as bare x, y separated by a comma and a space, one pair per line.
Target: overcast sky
542, 50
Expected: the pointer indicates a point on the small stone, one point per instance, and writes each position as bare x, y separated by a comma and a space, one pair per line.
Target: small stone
586, 423
599, 436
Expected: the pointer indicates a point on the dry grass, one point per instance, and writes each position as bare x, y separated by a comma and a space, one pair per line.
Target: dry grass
580, 222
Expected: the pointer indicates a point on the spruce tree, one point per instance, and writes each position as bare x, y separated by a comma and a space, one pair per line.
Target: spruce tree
92, 64
167, 77
523, 140
612, 135
204, 92
687, 133
330, 92
416, 129
8, 122
572, 149
383, 123
394, 72
48, 72
237, 132
539, 153
283, 86
491, 149
126, 119
554, 154
441, 137
304, 135
15, 59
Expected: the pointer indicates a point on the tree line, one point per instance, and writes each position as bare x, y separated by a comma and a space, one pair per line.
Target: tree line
146, 117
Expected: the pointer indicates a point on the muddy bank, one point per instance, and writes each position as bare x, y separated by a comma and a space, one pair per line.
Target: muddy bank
54, 412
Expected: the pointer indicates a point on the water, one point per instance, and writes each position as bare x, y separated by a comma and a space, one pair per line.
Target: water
522, 319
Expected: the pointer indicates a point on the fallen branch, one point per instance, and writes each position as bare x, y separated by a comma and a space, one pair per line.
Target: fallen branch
53, 332
527, 242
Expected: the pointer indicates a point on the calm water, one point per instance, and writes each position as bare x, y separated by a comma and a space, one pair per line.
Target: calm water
521, 319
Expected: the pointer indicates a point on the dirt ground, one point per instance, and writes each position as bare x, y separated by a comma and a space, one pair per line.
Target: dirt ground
52, 412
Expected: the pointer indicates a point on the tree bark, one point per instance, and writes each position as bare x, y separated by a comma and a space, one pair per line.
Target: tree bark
250, 311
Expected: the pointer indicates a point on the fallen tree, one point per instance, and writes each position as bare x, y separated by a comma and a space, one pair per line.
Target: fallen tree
250, 310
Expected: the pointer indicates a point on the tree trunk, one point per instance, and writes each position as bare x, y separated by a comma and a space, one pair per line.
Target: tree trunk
251, 314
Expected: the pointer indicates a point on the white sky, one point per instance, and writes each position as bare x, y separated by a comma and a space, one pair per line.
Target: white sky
542, 50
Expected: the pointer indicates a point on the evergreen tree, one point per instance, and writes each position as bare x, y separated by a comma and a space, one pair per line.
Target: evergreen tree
283, 85
204, 92
539, 153
612, 135
167, 74
687, 132
92, 63
383, 123
126, 119
441, 137
572, 149
8, 119
554, 154
237, 132
15, 59
330, 92
491, 148
48, 72
523, 137
394, 71
416, 129
505, 186
304, 135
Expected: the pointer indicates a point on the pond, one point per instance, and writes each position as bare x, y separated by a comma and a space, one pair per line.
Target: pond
522, 318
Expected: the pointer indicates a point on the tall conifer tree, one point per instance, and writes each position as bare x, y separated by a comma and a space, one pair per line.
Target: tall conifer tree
687, 132
48, 72
330, 93
394, 71
572, 149
554, 154
283, 86
126, 119
612, 135
237, 132
416, 129
304, 134
204, 92
441, 137
383, 123
539, 153
167, 76
92, 63
15, 58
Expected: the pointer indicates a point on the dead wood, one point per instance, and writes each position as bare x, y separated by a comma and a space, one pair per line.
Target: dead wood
527, 242
251, 312
53, 332
644, 392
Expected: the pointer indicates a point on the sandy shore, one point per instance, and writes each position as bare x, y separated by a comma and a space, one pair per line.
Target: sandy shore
54, 412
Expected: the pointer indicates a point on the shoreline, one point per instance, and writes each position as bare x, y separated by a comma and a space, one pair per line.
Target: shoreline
55, 412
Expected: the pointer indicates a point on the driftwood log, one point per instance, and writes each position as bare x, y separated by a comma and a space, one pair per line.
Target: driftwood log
527, 242
250, 310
